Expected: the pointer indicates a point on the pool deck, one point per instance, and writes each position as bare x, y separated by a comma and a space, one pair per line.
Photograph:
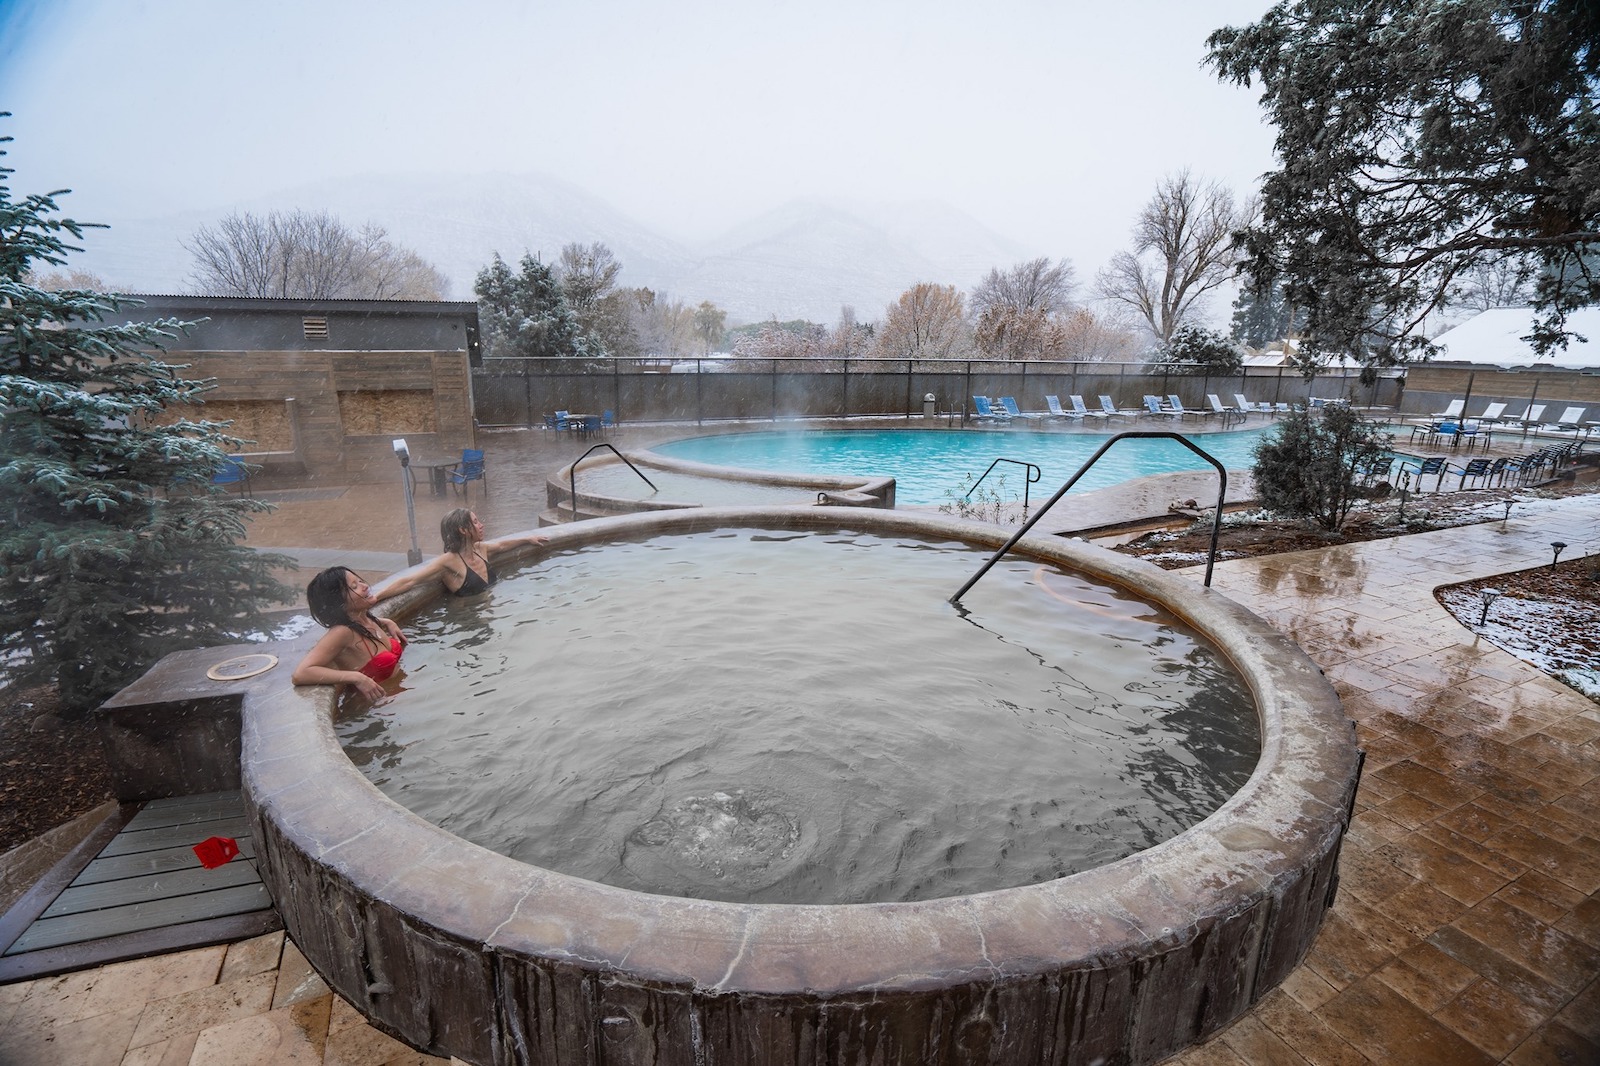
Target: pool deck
1467, 925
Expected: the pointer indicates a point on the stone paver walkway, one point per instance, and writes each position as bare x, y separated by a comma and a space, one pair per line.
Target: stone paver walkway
1467, 928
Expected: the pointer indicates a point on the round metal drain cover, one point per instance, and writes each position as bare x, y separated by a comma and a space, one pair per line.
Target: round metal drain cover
242, 666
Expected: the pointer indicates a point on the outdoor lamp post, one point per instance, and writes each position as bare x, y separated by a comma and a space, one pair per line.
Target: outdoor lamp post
1556, 546
1507, 517
414, 553
1489, 596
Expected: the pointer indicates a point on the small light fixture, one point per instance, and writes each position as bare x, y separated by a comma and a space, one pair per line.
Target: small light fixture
1509, 504
1489, 596
1556, 546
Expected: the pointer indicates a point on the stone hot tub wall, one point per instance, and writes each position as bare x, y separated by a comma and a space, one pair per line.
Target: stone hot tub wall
462, 951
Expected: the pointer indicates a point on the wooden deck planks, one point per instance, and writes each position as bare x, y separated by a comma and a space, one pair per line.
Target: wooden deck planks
115, 921
147, 879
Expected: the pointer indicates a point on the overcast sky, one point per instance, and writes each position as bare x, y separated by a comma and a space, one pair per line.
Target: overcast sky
1048, 122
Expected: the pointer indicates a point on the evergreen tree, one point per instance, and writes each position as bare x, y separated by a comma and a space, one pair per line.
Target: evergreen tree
1307, 468
526, 313
1416, 139
1195, 349
1261, 315
115, 548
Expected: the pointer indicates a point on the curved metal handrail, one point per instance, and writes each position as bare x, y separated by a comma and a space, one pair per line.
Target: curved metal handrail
1032, 476
572, 474
1216, 525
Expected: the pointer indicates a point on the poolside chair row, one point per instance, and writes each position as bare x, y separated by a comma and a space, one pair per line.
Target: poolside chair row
1522, 469
1005, 408
1573, 419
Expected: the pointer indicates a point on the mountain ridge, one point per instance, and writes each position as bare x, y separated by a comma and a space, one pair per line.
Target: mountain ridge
806, 258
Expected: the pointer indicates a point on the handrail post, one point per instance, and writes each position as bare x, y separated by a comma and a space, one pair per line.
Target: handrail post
1216, 524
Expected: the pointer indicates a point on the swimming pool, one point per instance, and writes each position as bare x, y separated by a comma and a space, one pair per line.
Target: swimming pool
931, 465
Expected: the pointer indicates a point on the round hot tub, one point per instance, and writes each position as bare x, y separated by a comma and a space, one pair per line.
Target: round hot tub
1005, 945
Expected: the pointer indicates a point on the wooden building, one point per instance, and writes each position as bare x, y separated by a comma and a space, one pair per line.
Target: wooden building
322, 387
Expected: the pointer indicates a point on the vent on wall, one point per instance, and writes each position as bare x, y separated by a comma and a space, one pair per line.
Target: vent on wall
316, 329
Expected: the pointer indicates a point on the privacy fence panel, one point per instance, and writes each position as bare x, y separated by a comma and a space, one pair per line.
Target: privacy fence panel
522, 392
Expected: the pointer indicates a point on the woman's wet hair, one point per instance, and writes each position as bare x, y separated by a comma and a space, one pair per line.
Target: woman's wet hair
325, 595
452, 528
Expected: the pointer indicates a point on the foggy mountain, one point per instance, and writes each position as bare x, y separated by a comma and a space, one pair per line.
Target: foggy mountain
803, 260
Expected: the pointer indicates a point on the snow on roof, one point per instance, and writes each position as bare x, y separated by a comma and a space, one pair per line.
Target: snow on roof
1494, 338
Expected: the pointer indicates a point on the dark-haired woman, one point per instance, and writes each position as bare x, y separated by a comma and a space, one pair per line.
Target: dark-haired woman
464, 567
358, 649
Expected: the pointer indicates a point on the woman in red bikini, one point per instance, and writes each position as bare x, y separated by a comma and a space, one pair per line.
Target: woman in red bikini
358, 649
464, 567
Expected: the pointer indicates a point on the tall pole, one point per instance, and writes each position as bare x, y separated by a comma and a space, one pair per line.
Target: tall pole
414, 553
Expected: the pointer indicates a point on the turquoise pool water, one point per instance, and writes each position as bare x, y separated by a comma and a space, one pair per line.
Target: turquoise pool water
930, 465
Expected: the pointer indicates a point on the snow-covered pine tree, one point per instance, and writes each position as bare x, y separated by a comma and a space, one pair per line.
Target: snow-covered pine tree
526, 313
115, 548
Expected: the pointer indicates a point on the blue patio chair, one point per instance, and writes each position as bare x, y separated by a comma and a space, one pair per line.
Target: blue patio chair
1378, 469
608, 418
1477, 469
233, 472
1433, 465
470, 468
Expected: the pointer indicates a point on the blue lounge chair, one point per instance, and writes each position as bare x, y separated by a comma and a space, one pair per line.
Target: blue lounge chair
1081, 409
1011, 408
1152, 406
1109, 407
1175, 403
1057, 411
986, 410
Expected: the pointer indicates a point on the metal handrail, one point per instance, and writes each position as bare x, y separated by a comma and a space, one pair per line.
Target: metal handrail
572, 474
1216, 525
1032, 476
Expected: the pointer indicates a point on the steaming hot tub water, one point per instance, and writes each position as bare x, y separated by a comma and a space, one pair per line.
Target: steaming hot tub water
767, 716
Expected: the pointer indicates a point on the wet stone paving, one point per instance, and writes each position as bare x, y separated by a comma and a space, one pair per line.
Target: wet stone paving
1467, 924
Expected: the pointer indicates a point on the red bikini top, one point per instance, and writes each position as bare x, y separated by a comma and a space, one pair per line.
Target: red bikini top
381, 665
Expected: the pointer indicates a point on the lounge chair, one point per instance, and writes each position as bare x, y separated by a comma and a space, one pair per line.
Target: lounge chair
1571, 421
1011, 408
1175, 402
1452, 410
1152, 406
1247, 406
1056, 410
1493, 414
1217, 406
1082, 410
986, 411
1530, 418
1108, 407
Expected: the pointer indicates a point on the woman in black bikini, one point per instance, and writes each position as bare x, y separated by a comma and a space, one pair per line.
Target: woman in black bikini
358, 648
464, 567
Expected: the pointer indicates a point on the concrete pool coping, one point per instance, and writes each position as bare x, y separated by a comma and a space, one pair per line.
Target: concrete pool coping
459, 950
